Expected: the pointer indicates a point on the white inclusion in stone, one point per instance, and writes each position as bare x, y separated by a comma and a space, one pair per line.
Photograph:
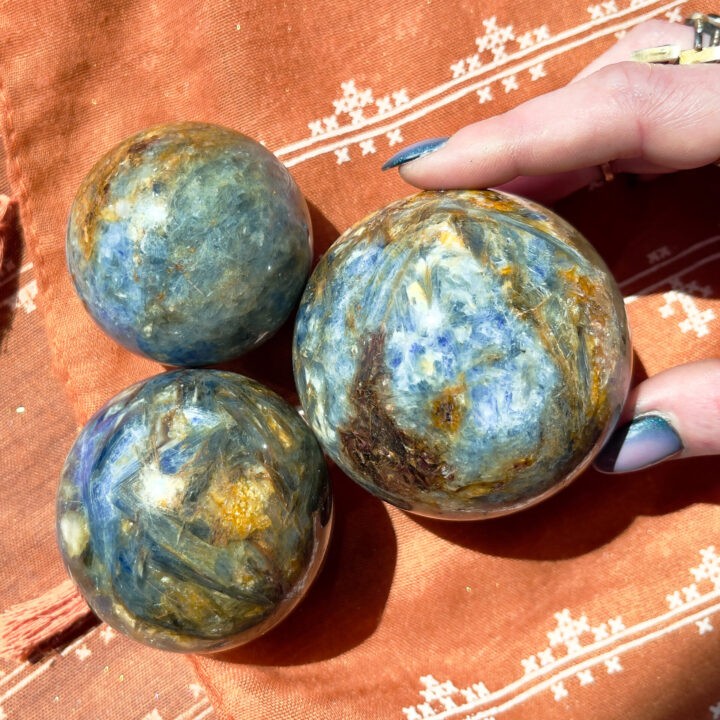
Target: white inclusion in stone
74, 532
431, 319
122, 208
426, 315
324, 429
150, 214
154, 210
159, 489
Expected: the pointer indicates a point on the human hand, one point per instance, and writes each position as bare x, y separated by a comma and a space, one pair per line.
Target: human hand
616, 116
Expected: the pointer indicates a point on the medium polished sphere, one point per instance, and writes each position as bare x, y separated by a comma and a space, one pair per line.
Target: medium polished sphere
189, 243
462, 354
194, 510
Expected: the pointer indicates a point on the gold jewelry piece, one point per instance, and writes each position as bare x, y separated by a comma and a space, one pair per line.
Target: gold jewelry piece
704, 24
607, 172
668, 54
607, 176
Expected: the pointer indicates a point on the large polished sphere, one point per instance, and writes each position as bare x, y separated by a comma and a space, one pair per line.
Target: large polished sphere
189, 243
194, 510
462, 354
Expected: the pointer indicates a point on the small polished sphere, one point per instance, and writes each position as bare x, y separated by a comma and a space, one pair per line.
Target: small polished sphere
462, 354
194, 510
189, 243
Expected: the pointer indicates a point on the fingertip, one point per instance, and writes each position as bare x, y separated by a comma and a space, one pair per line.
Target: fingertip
414, 152
442, 164
675, 413
645, 441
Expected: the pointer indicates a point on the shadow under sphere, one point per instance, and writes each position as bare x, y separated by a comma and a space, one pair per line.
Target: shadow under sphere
345, 604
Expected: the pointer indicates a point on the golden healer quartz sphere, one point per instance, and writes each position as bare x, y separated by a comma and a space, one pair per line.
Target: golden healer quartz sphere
462, 354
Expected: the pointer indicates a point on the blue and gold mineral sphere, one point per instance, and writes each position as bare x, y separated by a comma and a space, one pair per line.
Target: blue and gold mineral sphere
462, 354
194, 510
189, 243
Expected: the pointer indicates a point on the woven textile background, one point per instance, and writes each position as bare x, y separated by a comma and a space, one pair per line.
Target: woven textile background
603, 602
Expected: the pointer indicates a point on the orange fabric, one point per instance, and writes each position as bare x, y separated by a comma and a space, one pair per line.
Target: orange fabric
600, 603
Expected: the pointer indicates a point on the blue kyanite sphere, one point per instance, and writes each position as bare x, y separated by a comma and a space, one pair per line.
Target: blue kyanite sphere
194, 510
462, 354
189, 243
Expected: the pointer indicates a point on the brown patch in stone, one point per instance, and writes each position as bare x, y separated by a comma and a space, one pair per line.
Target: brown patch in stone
139, 147
93, 196
91, 199
350, 321
448, 408
387, 456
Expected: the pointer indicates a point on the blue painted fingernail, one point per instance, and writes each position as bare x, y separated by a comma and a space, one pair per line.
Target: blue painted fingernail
646, 440
413, 152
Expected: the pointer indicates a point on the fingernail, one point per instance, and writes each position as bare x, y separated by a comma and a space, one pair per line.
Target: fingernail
413, 152
646, 440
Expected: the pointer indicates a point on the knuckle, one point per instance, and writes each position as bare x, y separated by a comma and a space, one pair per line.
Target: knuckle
628, 90
629, 84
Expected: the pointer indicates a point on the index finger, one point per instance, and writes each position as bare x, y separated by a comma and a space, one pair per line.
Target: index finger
640, 117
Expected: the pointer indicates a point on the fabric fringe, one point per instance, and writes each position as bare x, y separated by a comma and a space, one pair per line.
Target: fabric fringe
47, 622
29, 629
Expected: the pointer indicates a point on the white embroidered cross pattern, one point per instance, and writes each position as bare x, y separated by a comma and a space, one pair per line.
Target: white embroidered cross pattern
500, 56
88, 649
576, 650
682, 296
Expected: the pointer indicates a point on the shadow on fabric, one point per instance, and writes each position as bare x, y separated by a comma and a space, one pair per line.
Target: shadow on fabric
345, 604
666, 225
588, 514
10, 259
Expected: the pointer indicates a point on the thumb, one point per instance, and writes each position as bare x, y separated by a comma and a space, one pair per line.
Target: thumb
673, 414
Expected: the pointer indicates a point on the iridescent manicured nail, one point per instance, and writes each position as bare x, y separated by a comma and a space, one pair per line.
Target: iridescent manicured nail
413, 152
646, 440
